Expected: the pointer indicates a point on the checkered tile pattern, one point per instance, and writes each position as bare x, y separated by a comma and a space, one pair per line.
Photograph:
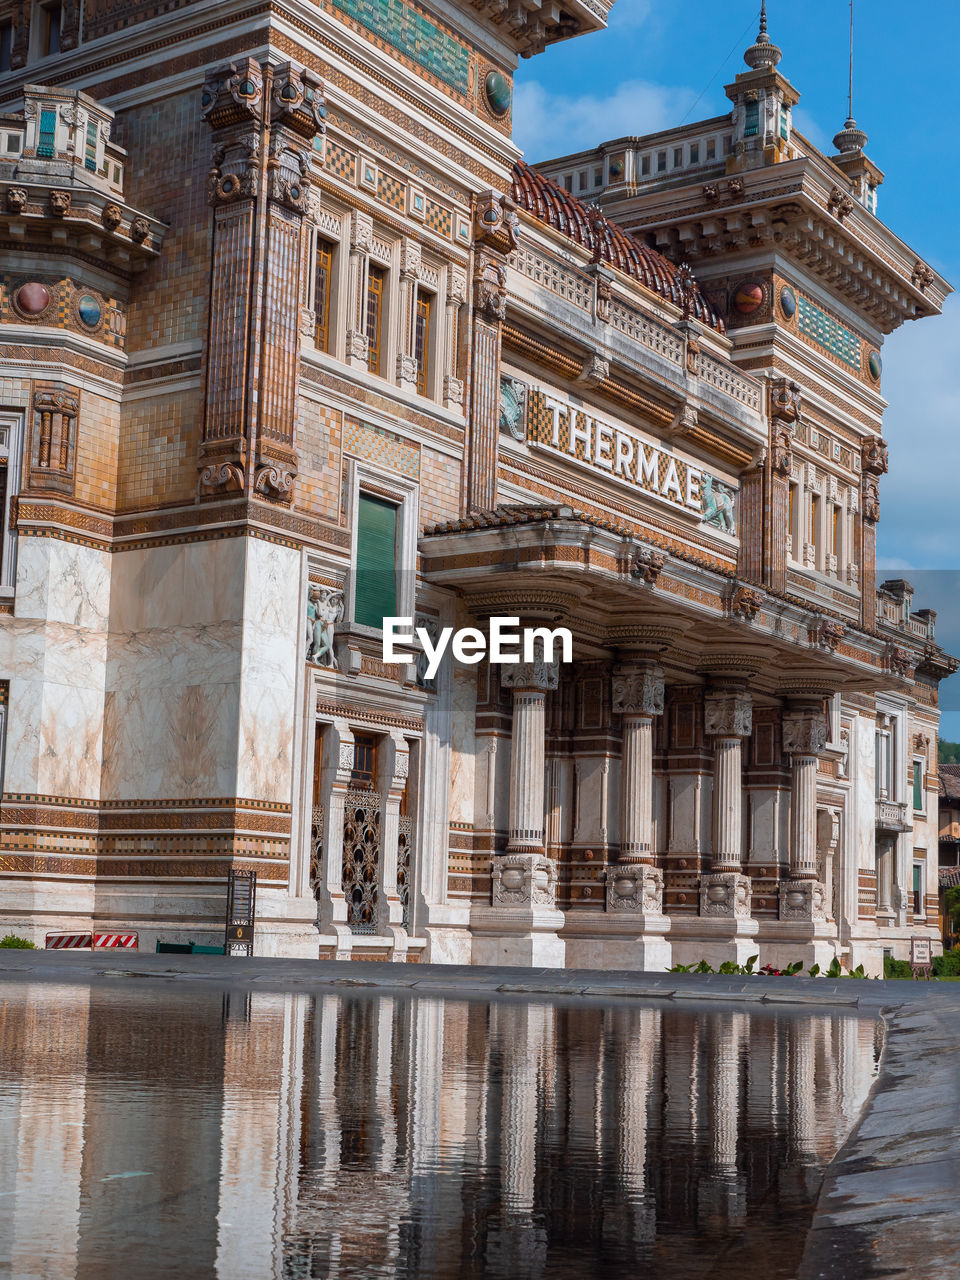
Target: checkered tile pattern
382, 447
392, 192
341, 163
439, 219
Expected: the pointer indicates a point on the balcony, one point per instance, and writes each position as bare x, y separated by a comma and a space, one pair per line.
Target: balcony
892, 816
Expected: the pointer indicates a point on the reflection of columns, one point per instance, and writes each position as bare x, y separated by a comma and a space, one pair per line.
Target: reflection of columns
728, 718
638, 696
801, 1090
529, 682
730, 1031
804, 738
639, 1036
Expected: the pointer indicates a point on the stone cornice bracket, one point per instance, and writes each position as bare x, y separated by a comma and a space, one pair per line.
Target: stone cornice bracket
727, 713
874, 456
490, 287
297, 102
638, 690
596, 370
538, 676
804, 731
233, 95
496, 223
825, 633
900, 662
746, 602
646, 565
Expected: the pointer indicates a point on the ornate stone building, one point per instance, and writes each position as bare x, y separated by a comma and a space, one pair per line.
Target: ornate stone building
294, 341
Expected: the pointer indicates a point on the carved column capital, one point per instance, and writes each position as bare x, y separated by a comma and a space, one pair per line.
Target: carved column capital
638, 692
538, 675
728, 713
804, 732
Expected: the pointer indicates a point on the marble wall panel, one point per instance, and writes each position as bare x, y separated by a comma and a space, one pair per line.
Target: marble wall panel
463, 771
63, 582
179, 742
71, 741
191, 585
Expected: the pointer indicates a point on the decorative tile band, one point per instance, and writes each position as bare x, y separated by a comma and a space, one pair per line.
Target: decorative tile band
828, 333
384, 447
413, 34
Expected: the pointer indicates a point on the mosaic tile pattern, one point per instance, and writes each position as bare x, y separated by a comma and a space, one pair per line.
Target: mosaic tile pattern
439, 219
828, 333
382, 447
391, 192
411, 33
341, 163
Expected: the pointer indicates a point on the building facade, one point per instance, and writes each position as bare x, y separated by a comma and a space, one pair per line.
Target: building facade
294, 341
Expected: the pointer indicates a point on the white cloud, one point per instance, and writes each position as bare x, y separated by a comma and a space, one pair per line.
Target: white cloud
548, 124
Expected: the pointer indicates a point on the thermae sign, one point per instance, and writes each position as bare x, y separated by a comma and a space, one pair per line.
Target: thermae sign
629, 459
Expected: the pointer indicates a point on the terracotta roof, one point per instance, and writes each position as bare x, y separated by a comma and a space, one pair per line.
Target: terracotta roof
949, 775
607, 241
949, 877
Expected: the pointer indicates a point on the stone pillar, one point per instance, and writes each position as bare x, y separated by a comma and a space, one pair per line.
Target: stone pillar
638, 696
361, 238
456, 297
728, 718
410, 267
804, 738
520, 926
529, 682
873, 464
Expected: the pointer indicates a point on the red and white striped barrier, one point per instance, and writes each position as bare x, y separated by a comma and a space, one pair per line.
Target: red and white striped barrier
92, 941
129, 941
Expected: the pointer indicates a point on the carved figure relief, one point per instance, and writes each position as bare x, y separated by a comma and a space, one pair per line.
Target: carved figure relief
513, 407
719, 507
324, 612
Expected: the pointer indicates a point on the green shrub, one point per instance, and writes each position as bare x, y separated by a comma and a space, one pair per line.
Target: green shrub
896, 968
11, 940
947, 965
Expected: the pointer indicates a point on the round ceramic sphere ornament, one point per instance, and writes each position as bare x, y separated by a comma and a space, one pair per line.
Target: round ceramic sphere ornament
498, 91
788, 302
748, 298
89, 310
33, 298
875, 365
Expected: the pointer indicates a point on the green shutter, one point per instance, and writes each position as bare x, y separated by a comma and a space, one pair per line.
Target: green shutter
917, 786
376, 567
47, 138
752, 127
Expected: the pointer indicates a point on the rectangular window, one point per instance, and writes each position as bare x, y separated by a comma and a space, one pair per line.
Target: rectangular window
784, 125
598, 177
918, 888
6, 46
694, 152
10, 435
678, 157
752, 125
645, 166
322, 292
375, 596
422, 341
51, 16
90, 151
582, 179
792, 518
728, 145
814, 519
661, 162
711, 148
48, 134
363, 775
568, 182
375, 280
918, 770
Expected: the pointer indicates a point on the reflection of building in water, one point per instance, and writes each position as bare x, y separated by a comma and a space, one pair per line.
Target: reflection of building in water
294, 344
283, 1135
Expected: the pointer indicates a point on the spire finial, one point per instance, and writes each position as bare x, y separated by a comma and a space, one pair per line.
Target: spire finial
850, 138
764, 54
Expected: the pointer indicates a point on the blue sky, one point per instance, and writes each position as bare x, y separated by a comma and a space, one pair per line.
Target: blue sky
647, 71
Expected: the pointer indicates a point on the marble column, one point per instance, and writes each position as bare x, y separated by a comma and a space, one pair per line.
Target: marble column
638, 696
728, 718
521, 925
527, 754
804, 738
